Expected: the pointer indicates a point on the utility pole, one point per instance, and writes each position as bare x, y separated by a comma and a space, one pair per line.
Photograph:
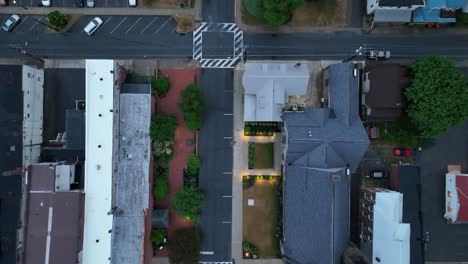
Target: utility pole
358, 52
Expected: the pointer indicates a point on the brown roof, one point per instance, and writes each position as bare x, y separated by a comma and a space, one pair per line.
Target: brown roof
42, 177
387, 84
64, 212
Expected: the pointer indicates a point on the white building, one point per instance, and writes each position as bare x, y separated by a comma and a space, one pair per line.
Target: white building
268, 87
393, 10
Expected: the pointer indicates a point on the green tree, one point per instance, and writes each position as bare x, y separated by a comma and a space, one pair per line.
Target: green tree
184, 246
187, 202
56, 20
437, 96
160, 187
162, 127
157, 236
160, 86
193, 164
192, 105
274, 12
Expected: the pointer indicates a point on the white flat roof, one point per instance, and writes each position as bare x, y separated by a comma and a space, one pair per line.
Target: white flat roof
98, 163
390, 236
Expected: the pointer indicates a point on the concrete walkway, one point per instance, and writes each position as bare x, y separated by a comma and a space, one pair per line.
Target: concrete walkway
240, 168
195, 12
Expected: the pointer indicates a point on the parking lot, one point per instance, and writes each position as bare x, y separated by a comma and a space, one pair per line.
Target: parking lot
113, 25
130, 25
71, 3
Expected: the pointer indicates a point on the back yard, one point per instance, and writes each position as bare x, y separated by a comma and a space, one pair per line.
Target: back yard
261, 215
261, 155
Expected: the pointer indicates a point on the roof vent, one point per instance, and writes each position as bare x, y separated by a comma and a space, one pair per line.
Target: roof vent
309, 133
335, 178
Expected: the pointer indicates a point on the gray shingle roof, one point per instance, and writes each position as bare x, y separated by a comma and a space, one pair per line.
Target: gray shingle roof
319, 148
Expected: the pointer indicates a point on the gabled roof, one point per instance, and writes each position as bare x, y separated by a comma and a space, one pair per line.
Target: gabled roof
321, 144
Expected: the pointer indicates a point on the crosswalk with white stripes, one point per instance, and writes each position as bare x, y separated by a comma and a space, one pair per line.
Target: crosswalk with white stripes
230, 61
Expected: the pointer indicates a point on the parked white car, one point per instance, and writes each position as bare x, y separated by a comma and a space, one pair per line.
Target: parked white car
46, 2
90, 3
132, 3
11, 22
93, 25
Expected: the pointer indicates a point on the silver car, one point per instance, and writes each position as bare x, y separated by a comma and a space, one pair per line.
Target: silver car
10, 23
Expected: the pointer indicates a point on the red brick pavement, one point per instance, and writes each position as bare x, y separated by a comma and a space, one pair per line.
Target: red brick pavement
179, 79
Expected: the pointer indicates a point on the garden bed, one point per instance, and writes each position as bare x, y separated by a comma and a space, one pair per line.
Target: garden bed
261, 128
261, 155
260, 220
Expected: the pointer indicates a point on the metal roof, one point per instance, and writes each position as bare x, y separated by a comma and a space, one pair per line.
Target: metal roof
98, 161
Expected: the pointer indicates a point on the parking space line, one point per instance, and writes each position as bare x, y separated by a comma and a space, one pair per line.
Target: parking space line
22, 21
227, 137
105, 22
133, 25
147, 26
226, 222
226, 196
227, 172
35, 24
228, 114
125, 18
165, 23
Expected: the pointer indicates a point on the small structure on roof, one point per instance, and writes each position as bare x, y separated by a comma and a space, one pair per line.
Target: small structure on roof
456, 197
268, 87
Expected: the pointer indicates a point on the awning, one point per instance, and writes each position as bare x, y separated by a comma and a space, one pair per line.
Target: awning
386, 15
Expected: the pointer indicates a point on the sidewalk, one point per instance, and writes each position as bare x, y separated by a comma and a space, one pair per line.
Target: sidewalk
109, 11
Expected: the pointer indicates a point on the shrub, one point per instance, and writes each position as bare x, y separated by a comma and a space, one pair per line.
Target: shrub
56, 20
251, 155
157, 236
162, 127
184, 246
187, 202
274, 12
160, 187
192, 106
193, 164
160, 86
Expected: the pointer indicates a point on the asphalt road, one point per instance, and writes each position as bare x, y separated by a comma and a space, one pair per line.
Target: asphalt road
216, 171
218, 11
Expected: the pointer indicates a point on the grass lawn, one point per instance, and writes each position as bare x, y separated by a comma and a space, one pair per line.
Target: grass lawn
259, 220
263, 155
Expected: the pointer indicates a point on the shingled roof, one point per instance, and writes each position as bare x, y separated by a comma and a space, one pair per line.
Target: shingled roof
321, 145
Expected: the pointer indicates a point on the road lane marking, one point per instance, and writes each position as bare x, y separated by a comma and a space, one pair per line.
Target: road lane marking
147, 26
125, 18
165, 23
133, 25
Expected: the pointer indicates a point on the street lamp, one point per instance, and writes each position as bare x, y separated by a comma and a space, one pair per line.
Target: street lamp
16, 3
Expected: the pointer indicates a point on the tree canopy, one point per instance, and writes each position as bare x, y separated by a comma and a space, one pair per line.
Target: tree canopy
160, 86
184, 246
274, 12
162, 127
192, 105
193, 164
56, 20
187, 202
437, 96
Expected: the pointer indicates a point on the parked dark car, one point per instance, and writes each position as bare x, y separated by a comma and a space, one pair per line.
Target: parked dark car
402, 152
79, 3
